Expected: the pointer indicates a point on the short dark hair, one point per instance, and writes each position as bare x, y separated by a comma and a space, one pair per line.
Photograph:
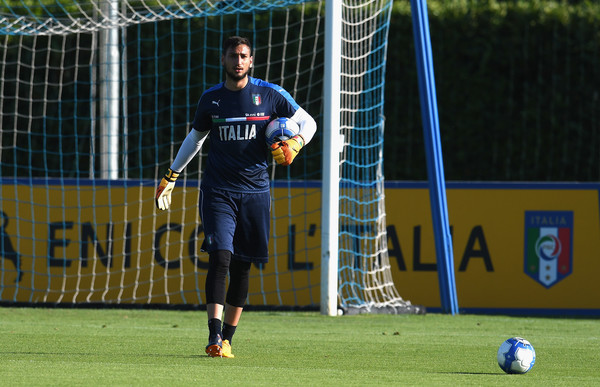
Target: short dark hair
234, 41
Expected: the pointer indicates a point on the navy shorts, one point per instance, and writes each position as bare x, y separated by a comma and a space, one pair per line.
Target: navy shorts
238, 222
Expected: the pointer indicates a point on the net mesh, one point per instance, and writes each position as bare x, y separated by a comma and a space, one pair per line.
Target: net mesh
75, 232
364, 266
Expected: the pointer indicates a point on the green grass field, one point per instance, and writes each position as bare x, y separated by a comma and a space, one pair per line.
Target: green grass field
158, 347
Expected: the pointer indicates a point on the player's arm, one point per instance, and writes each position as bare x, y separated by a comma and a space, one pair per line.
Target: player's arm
189, 148
307, 124
285, 152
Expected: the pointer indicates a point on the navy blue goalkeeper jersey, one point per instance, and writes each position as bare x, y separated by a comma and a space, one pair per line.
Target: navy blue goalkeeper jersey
238, 153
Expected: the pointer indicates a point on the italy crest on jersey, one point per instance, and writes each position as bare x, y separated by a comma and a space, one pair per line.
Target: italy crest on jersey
256, 99
548, 245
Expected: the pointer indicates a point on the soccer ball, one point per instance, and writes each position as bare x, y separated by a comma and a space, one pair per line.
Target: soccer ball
516, 356
281, 129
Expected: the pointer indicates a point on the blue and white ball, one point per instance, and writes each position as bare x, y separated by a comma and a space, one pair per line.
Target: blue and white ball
281, 129
516, 356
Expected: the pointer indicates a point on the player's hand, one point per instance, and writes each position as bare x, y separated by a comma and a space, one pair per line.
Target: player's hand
284, 152
163, 192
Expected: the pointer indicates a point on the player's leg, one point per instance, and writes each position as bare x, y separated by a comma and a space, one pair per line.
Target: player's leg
239, 275
218, 266
218, 219
251, 245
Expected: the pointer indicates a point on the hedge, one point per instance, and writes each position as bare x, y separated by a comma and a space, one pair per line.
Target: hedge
518, 87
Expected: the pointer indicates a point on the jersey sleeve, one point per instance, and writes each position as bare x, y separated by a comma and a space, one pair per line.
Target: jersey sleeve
288, 107
202, 120
189, 148
307, 124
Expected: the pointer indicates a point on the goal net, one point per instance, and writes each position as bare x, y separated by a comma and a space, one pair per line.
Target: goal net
95, 99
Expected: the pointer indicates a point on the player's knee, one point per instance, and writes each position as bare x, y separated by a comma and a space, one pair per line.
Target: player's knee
239, 273
219, 261
218, 265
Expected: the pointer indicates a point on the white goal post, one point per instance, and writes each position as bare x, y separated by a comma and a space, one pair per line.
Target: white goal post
332, 147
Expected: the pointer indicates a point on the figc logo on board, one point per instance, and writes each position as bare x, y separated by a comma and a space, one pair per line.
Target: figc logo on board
548, 246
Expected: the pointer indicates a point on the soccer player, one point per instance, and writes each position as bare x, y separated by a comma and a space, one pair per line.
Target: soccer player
235, 200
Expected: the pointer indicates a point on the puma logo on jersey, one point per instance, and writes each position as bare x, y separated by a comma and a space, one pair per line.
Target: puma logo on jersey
237, 132
216, 102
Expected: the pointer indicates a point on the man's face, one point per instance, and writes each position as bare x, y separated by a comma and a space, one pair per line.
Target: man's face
237, 62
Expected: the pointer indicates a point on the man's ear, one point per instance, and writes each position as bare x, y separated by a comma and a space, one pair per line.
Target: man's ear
251, 61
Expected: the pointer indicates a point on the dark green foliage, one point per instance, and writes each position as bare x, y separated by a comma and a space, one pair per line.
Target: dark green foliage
517, 89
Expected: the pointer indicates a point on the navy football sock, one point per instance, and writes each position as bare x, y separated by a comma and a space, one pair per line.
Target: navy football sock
214, 328
228, 331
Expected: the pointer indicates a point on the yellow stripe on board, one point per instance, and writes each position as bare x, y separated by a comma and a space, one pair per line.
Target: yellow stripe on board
95, 244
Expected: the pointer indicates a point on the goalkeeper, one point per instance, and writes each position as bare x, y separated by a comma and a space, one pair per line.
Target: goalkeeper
234, 192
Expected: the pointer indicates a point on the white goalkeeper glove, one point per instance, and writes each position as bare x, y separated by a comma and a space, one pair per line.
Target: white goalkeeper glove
163, 192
